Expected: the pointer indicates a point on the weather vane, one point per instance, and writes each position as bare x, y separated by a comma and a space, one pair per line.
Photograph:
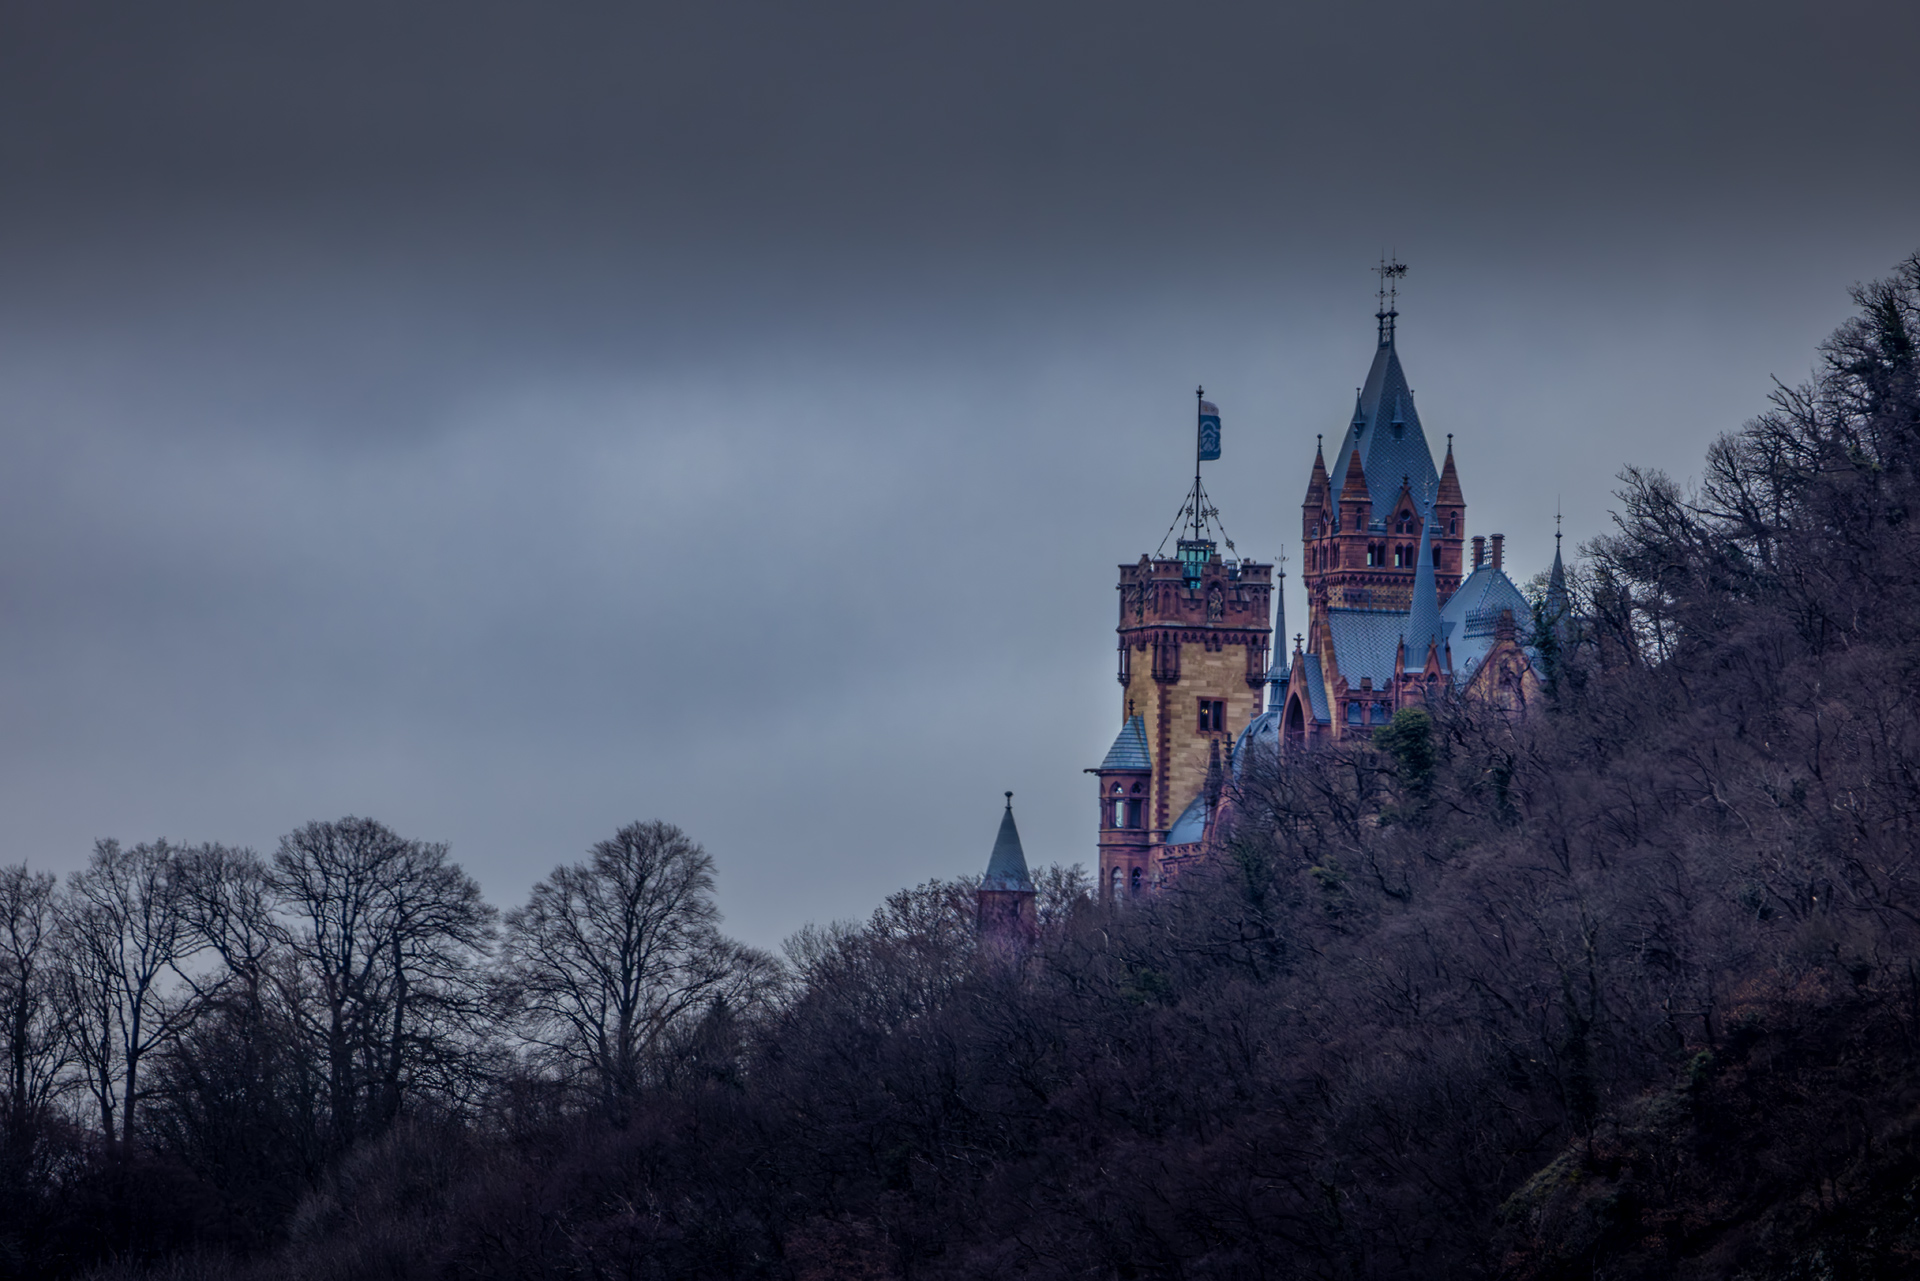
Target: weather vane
1390, 274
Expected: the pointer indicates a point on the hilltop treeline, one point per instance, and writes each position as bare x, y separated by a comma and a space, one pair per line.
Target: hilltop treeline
1628, 987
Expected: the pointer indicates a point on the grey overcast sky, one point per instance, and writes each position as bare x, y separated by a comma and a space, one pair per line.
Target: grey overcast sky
510, 421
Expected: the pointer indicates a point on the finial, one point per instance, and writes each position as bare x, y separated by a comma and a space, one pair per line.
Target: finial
1556, 525
1009, 800
1449, 442
1297, 638
1390, 274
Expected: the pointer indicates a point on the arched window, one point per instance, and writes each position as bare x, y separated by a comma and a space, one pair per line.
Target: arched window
1117, 882
1406, 523
1355, 711
1136, 880
1453, 525
1436, 556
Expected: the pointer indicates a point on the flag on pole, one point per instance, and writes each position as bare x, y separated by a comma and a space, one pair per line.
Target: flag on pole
1209, 431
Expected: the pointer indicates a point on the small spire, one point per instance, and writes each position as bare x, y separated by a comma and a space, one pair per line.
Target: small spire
1390, 274
1007, 865
1424, 634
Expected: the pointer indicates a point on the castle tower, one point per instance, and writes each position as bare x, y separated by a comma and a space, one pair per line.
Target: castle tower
1380, 527
1005, 912
1193, 639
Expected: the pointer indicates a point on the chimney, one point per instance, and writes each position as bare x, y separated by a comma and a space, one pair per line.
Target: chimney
1498, 540
1479, 550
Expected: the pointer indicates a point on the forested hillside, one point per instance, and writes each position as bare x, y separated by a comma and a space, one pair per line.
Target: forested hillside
1627, 988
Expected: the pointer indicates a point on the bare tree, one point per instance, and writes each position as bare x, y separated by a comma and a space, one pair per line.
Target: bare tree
608, 955
36, 1047
391, 935
122, 933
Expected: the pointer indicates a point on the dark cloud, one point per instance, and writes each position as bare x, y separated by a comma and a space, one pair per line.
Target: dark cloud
514, 420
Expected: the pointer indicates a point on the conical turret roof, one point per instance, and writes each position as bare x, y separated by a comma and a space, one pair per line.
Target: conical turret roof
1129, 750
1450, 495
1385, 432
1558, 606
1355, 488
1424, 629
1317, 482
1007, 867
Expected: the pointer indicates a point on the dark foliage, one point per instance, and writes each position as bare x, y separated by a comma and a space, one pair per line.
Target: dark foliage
1628, 988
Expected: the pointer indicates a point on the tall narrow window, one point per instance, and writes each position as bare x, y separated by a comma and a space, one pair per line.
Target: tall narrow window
1136, 880
1136, 812
1213, 715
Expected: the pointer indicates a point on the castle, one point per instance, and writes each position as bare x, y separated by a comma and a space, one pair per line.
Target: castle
1397, 614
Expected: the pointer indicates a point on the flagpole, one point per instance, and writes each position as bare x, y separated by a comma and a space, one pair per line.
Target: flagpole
1199, 397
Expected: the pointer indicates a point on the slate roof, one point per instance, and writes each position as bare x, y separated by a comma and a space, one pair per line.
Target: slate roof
1386, 455
1365, 642
1192, 823
1129, 750
1262, 732
1317, 688
1424, 628
1473, 611
1007, 866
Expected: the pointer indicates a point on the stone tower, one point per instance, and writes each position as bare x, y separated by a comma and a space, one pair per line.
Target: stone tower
1005, 912
1193, 638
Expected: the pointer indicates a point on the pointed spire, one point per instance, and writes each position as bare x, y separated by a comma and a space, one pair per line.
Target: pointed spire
1558, 606
1424, 634
1355, 488
1007, 867
1317, 482
1277, 671
1449, 495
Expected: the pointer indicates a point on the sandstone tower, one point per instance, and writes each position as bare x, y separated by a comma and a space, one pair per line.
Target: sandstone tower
1193, 640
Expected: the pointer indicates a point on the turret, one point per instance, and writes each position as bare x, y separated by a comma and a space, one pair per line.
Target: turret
1005, 915
1356, 503
1425, 643
1313, 509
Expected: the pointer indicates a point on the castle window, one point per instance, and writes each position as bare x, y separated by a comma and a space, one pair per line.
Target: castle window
1379, 713
1355, 711
1213, 715
1376, 554
1453, 525
1406, 523
1436, 558
1136, 813
1117, 882
1136, 880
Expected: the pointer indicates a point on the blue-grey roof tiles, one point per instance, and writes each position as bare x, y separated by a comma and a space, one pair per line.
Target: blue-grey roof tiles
1007, 866
1473, 612
1129, 750
1317, 688
1192, 823
1365, 642
1389, 456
